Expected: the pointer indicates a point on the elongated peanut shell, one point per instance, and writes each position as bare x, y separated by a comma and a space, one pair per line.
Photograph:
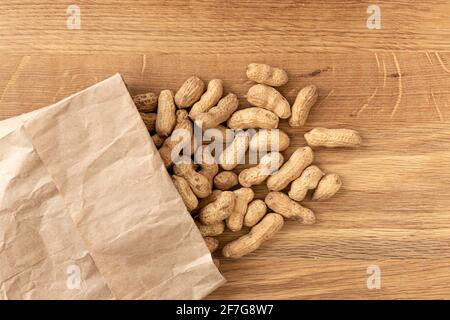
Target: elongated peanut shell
199, 184
146, 102
218, 114
218, 210
309, 179
263, 73
306, 98
261, 232
291, 170
255, 118
188, 196
269, 140
256, 175
269, 98
327, 187
333, 138
189, 92
165, 117
209, 99
236, 219
218, 135
226, 180
288, 208
211, 230
211, 243
255, 212
234, 154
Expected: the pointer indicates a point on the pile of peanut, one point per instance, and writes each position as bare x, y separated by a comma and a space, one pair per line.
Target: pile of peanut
206, 191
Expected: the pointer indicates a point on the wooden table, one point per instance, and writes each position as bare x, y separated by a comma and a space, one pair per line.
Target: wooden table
392, 84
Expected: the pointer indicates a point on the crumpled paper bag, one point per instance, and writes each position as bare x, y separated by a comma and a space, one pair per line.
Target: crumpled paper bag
88, 210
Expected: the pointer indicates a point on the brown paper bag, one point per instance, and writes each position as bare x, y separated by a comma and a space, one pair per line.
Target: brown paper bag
85, 193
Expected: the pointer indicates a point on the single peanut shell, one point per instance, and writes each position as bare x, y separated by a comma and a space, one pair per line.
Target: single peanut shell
253, 118
255, 212
327, 187
190, 92
209, 99
234, 154
207, 163
261, 232
256, 175
211, 243
269, 140
188, 196
218, 135
288, 208
226, 180
211, 230
265, 74
149, 120
146, 102
306, 98
269, 98
165, 117
309, 179
199, 184
236, 219
333, 138
211, 198
218, 210
218, 114
291, 170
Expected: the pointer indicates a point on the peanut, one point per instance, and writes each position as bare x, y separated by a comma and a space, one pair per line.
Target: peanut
146, 102
218, 210
256, 175
236, 219
328, 187
188, 196
218, 135
332, 138
253, 118
218, 114
282, 204
306, 98
269, 98
234, 154
263, 73
261, 232
255, 212
189, 93
211, 243
269, 140
149, 120
199, 184
226, 180
211, 198
208, 99
157, 140
207, 163
291, 170
308, 180
211, 230
165, 117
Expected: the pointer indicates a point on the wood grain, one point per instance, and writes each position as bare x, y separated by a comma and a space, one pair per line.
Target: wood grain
392, 85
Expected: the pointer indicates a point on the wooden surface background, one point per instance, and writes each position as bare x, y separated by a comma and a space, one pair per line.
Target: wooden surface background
390, 84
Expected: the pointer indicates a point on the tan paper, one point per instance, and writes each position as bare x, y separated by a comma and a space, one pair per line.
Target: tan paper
82, 184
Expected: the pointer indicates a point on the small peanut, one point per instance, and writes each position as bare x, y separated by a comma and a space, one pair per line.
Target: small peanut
256, 175
218, 114
188, 196
189, 93
282, 204
211, 230
269, 98
333, 138
257, 118
209, 99
302, 105
269, 140
218, 210
226, 180
165, 117
199, 184
291, 170
149, 120
146, 102
255, 212
211, 243
234, 154
261, 232
308, 180
265, 74
328, 187
236, 219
